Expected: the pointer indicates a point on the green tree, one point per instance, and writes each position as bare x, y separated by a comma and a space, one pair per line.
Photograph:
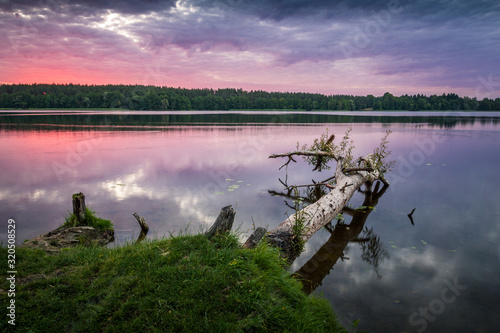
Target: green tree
388, 101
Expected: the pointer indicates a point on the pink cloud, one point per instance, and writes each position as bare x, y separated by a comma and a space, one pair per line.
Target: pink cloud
219, 47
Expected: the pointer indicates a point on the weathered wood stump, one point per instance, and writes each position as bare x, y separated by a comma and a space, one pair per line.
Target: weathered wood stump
223, 223
79, 208
77, 233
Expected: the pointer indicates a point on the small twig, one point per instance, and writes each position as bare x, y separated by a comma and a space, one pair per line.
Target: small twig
410, 216
284, 183
330, 139
289, 196
344, 187
290, 159
327, 180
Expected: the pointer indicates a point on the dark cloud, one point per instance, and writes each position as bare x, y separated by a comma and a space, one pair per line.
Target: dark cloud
86, 7
448, 38
283, 9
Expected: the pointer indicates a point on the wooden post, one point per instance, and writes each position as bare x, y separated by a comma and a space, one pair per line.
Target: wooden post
223, 223
79, 208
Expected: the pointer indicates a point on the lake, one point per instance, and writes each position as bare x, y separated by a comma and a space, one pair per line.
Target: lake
438, 272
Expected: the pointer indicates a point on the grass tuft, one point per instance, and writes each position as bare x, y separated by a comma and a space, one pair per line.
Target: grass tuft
91, 219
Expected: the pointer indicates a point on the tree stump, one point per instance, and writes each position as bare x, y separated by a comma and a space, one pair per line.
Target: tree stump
255, 238
223, 223
79, 208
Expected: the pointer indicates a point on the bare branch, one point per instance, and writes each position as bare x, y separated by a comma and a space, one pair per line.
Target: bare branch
290, 159
304, 153
327, 180
345, 186
330, 139
289, 196
315, 184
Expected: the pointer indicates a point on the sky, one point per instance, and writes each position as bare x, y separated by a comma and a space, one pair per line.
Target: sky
355, 47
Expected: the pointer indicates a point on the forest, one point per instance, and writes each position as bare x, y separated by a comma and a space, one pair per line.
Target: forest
139, 97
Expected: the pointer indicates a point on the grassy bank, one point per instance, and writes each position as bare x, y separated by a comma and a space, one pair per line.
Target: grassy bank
180, 284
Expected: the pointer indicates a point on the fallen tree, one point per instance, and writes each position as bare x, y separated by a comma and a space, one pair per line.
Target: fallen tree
350, 174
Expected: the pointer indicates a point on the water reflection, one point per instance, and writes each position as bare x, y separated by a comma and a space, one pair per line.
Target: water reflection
180, 175
312, 273
174, 177
143, 120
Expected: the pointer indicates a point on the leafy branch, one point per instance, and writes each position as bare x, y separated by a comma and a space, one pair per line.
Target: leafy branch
324, 150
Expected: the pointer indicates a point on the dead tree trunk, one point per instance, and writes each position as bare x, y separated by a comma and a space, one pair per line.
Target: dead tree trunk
323, 211
79, 208
223, 223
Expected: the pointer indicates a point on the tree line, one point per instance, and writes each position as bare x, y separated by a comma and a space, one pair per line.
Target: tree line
138, 97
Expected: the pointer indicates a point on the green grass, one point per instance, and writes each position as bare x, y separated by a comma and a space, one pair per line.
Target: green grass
91, 220
179, 284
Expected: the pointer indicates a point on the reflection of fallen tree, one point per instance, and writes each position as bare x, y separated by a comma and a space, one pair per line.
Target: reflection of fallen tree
313, 272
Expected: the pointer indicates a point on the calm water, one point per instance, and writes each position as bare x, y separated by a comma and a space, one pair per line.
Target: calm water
441, 274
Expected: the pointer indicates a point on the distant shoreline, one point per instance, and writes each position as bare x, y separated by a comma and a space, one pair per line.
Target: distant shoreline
154, 98
241, 110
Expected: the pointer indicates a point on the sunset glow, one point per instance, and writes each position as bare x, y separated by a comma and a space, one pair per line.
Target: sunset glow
331, 47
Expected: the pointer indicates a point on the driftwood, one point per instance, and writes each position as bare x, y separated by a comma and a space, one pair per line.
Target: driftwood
223, 223
144, 227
